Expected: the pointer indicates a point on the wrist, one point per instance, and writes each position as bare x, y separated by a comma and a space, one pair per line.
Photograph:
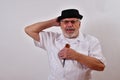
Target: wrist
76, 56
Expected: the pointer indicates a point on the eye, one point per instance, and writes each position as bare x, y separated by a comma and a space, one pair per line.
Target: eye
66, 22
73, 21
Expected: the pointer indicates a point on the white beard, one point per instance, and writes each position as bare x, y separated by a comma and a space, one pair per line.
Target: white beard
74, 35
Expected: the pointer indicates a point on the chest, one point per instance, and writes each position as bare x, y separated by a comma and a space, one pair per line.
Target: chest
79, 46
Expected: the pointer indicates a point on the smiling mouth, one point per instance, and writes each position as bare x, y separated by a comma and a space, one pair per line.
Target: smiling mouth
70, 29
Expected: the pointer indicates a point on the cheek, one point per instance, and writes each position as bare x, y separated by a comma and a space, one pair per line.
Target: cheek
63, 27
77, 26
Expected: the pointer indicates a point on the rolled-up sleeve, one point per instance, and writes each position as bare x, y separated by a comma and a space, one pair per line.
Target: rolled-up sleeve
44, 38
96, 50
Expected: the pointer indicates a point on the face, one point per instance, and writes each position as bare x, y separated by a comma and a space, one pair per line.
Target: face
70, 27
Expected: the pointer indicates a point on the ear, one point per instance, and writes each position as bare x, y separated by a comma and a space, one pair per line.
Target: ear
60, 23
79, 23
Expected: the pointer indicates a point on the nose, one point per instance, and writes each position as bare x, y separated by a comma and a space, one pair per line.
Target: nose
69, 23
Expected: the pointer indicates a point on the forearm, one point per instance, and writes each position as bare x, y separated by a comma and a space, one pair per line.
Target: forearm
37, 27
34, 29
90, 62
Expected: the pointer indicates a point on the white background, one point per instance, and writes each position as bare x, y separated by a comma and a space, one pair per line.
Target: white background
21, 60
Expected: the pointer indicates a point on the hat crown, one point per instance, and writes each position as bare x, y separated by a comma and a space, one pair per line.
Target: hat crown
69, 13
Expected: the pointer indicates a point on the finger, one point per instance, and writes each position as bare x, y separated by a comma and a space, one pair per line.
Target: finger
61, 54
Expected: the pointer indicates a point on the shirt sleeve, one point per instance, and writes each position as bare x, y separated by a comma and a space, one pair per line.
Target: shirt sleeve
46, 39
96, 50
40, 43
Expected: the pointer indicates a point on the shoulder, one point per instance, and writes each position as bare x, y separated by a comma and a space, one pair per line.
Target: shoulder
90, 38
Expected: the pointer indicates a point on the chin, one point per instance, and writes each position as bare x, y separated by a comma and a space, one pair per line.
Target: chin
70, 36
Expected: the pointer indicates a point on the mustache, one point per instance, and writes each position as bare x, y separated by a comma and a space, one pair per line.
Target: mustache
70, 29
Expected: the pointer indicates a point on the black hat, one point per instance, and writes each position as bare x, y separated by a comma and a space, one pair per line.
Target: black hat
70, 13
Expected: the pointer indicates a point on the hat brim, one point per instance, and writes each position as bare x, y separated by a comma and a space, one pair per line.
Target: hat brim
63, 17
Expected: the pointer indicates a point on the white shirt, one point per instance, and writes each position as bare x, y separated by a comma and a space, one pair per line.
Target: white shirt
73, 70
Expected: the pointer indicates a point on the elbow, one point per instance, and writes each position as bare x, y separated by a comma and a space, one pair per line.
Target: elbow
29, 31
100, 67
26, 29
